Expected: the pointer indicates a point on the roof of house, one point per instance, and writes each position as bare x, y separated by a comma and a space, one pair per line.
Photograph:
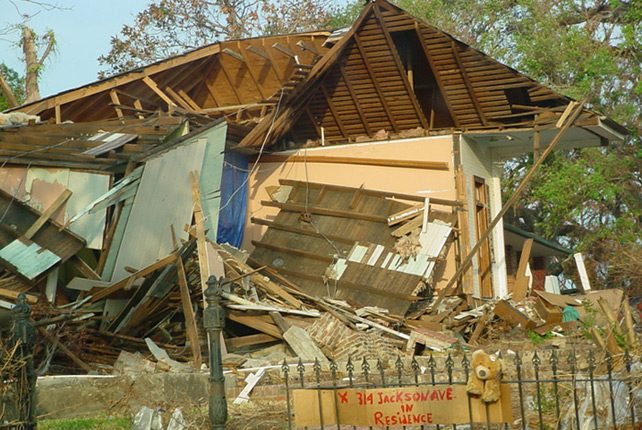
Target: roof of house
391, 71
387, 72
234, 78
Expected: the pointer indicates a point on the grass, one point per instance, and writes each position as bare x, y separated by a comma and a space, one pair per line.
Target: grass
99, 423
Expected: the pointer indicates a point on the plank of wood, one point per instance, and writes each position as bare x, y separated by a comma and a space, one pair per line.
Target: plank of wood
10, 294
303, 346
481, 323
360, 161
520, 288
255, 323
280, 322
252, 339
405, 214
84, 268
576, 110
201, 244
188, 311
42, 219
631, 337
101, 293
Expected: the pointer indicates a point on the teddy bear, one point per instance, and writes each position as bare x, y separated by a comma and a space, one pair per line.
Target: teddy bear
485, 378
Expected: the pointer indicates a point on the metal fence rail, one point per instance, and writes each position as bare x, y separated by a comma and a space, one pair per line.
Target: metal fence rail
580, 390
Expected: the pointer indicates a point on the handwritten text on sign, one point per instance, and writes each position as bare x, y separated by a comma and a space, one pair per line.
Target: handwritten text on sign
446, 404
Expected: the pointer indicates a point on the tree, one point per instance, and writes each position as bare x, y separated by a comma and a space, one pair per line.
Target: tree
30, 44
12, 88
169, 27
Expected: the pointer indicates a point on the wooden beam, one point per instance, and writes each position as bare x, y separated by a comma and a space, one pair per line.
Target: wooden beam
355, 99
84, 268
324, 211
201, 244
308, 47
252, 339
292, 251
335, 114
255, 323
521, 280
375, 82
188, 312
234, 55
400, 68
179, 100
154, 87
285, 50
408, 164
469, 85
44, 217
189, 100
435, 70
513, 198
101, 293
258, 51
311, 233
114, 98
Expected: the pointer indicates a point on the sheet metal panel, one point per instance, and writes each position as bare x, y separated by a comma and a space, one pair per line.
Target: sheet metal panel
163, 199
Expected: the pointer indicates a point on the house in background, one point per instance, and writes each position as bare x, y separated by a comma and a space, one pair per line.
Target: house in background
314, 148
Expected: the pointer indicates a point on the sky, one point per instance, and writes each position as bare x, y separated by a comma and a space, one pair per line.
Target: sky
83, 30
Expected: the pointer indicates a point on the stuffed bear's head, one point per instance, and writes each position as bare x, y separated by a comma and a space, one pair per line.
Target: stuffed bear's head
486, 366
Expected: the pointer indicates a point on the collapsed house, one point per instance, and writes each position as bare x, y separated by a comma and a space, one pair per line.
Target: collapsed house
357, 169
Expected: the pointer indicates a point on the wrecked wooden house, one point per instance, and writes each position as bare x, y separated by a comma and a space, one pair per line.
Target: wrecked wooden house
357, 169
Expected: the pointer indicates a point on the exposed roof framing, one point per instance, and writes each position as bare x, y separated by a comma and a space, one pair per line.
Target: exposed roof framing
391, 71
231, 73
97, 146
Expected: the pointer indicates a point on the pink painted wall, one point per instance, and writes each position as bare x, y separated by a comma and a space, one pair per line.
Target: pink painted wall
420, 182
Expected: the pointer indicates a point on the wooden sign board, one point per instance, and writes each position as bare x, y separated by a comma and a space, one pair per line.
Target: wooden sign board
402, 406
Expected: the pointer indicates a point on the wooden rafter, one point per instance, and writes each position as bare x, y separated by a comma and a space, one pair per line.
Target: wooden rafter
178, 99
400, 68
375, 82
469, 85
251, 72
114, 98
308, 47
354, 97
233, 54
440, 83
335, 114
285, 50
189, 100
154, 87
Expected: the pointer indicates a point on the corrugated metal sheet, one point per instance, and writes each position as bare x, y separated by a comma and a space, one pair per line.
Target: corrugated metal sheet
28, 259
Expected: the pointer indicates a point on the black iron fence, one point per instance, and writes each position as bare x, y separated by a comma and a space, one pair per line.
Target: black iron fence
17, 374
583, 390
